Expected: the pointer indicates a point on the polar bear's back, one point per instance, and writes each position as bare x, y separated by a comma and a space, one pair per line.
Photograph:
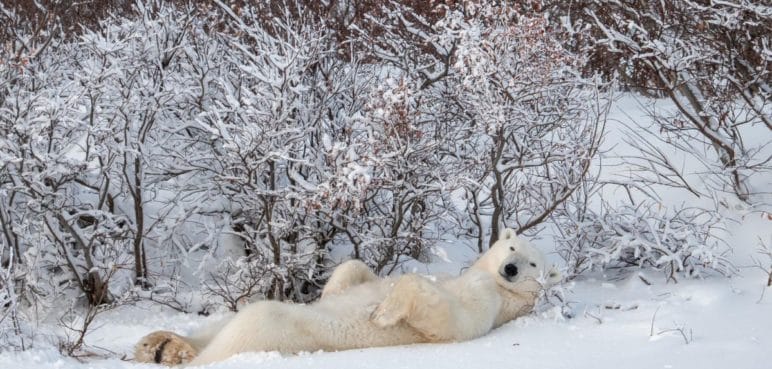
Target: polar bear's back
338, 322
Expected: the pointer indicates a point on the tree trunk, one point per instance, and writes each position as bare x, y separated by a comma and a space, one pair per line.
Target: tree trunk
140, 260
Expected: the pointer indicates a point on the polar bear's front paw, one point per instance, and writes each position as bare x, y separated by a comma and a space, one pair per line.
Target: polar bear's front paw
529, 286
387, 314
164, 347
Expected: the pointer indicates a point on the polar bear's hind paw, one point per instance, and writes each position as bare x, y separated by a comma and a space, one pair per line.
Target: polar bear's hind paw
163, 347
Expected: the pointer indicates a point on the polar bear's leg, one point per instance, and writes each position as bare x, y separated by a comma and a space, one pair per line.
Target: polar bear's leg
169, 348
348, 274
246, 331
266, 326
421, 304
201, 338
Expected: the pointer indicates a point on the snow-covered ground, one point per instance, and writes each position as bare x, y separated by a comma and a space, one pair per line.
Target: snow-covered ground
631, 320
724, 323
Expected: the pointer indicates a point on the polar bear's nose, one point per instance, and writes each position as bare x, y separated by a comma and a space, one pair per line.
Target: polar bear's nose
510, 270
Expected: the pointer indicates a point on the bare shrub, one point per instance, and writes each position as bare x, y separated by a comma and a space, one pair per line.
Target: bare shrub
679, 242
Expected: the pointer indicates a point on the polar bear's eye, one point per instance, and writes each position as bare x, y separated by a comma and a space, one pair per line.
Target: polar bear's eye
533, 265
511, 248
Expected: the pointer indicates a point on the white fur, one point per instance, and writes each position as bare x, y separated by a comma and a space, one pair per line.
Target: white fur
358, 309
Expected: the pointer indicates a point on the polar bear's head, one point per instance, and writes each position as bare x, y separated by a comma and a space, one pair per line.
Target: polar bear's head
512, 259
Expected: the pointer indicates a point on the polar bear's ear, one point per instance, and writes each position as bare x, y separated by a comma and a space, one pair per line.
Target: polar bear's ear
507, 234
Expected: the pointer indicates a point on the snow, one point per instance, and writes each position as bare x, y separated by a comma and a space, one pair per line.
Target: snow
724, 321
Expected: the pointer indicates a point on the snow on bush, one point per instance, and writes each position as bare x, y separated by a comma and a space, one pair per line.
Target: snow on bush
678, 242
711, 59
201, 156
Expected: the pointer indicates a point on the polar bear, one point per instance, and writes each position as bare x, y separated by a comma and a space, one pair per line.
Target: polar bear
358, 309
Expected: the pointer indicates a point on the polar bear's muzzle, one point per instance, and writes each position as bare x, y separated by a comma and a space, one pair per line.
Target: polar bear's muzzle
509, 271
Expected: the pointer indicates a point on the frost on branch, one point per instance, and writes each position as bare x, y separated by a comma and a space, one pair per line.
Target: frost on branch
680, 242
711, 59
534, 123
